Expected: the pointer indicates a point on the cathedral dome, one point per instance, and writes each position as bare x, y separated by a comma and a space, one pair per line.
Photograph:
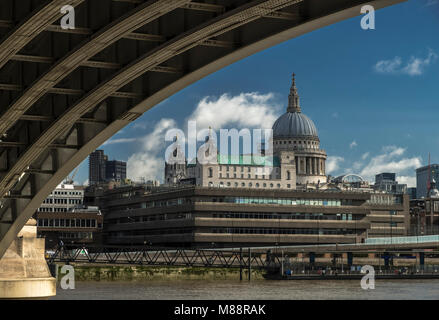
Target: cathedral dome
294, 123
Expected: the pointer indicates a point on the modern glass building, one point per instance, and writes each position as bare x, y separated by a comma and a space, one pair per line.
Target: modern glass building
422, 176
386, 182
116, 170
102, 170
97, 167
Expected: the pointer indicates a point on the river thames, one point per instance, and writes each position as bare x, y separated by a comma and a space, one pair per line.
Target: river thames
254, 290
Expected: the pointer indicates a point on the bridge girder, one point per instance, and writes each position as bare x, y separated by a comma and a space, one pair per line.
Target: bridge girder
65, 92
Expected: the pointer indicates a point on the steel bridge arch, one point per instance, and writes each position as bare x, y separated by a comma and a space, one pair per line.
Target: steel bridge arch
176, 42
344, 178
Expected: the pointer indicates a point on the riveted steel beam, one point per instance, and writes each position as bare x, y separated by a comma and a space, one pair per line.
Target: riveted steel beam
31, 28
141, 15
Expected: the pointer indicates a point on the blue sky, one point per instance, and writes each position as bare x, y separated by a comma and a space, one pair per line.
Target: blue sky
373, 95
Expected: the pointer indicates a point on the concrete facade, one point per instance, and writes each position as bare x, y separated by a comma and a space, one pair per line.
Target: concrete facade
200, 216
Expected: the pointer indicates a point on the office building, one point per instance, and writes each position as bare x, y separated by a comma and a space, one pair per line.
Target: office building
97, 167
229, 217
116, 170
64, 217
101, 170
387, 182
424, 213
422, 179
412, 193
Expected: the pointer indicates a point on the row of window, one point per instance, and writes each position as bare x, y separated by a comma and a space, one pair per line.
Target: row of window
240, 215
76, 235
299, 216
312, 144
69, 223
384, 199
249, 176
247, 200
154, 217
67, 193
150, 232
62, 201
258, 170
163, 203
286, 201
51, 209
246, 185
284, 231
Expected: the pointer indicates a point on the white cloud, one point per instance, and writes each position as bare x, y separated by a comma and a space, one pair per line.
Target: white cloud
333, 164
353, 144
356, 166
414, 67
149, 162
121, 140
85, 183
388, 66
246, 110
140, 125
251, 110
410, 181
390, 161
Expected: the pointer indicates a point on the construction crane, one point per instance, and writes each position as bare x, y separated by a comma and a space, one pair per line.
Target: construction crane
69, 179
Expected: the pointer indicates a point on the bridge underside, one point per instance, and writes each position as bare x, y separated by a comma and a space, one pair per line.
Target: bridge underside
65, 92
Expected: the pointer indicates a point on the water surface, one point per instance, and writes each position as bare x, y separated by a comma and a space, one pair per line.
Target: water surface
254, 290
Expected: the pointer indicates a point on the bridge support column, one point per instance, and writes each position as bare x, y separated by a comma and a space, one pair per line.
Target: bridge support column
312, 258
24, 273
422, 259
350, 257
388, 260
334, 259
